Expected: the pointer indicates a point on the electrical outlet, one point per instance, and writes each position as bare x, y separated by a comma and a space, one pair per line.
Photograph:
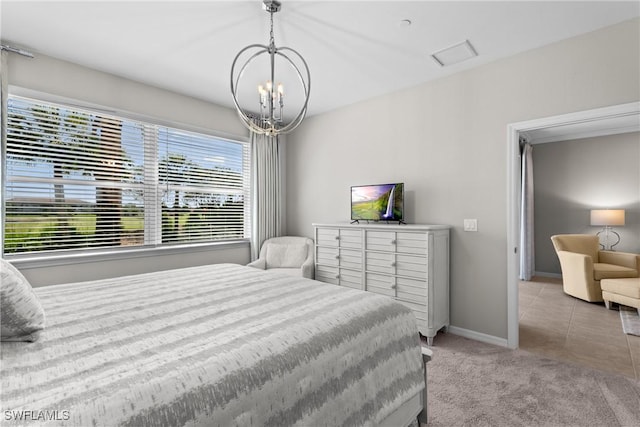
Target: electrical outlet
470, 225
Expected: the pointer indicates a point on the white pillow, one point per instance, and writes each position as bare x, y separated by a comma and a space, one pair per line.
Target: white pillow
21, 314
286, 255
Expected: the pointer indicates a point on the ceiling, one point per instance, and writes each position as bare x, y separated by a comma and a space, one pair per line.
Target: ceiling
355, 49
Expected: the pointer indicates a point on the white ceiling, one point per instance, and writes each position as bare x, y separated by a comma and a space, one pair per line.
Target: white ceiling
355, 49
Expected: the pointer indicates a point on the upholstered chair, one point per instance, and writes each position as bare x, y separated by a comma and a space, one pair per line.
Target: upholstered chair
290, 254
583, 265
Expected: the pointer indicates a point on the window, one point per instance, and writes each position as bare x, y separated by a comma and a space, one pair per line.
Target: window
78, 179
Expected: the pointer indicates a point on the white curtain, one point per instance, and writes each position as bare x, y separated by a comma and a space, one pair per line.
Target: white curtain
527, 260
4, 88
267, 194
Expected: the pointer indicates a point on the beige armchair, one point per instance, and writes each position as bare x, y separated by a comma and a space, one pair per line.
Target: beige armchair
291, 255
583, 265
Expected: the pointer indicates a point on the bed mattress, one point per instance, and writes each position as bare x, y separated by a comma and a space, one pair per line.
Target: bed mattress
216, 345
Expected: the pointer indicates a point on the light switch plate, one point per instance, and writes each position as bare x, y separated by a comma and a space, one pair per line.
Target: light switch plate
470, 225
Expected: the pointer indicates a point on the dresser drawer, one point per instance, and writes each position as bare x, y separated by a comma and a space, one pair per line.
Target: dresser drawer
350, 278
381, 284
339, 276
350, 239
327, 255
380, 262
381, 241
350, 258
327, 237
400, 242
411, 243
397, 264
409, 290
412, 290
419, 310
411, 266
327, 274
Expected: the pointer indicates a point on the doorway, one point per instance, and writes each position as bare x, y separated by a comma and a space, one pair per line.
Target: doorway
598, 122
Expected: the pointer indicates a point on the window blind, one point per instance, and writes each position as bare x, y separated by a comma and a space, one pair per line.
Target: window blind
78, 179
203, 186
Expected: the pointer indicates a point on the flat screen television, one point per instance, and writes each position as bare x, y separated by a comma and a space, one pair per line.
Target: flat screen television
380, 202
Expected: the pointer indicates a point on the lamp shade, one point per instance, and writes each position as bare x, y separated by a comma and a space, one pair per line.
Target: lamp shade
607, 217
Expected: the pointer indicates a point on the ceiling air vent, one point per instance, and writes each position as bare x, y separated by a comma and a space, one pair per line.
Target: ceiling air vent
453, 54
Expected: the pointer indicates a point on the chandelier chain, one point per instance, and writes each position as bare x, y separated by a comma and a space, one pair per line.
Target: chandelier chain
272, 43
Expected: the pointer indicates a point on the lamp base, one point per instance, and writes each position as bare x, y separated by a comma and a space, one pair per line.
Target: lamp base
607, 230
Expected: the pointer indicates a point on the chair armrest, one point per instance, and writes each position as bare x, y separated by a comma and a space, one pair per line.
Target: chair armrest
260, 263
308, 268
624, 259
574, 261
577, 268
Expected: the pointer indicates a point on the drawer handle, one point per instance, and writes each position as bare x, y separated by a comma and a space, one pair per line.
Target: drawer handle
337, 237
337, 256
393, 242
393, 286
337, 276
393, 264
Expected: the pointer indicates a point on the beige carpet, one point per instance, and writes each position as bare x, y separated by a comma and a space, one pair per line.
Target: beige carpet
476, 384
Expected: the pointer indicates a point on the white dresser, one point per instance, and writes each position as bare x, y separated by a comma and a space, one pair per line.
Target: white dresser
409, 263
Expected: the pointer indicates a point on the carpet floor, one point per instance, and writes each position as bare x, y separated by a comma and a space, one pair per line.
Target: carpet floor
630, 318
476, 384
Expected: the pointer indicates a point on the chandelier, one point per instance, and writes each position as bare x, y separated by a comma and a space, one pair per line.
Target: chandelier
268, 115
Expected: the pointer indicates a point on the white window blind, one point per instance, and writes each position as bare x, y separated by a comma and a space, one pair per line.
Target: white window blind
78, 179
203, 187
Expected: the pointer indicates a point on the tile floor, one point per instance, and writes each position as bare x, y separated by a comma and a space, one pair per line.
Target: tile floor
559, 326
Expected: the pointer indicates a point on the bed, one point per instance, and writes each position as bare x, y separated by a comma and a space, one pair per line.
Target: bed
216, 345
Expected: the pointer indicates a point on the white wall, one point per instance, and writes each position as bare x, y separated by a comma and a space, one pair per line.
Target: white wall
446, 140
573, 177
50, 272
65, 80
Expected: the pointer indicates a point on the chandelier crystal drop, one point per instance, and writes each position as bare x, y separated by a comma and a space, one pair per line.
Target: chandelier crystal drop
270, 119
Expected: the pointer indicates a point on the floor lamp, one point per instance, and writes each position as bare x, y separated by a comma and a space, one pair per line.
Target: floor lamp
608, 218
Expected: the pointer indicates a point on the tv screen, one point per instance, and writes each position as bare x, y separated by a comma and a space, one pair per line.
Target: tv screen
381, 202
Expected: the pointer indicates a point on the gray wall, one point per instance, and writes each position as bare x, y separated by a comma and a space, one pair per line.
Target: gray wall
573, 177
447, 141
62, 79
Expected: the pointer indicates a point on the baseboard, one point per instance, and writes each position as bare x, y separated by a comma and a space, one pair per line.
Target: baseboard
478, 336
552, 275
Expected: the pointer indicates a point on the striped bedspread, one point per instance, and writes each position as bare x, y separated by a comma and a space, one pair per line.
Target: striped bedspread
218, 345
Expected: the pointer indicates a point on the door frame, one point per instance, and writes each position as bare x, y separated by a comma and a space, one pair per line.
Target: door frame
587, 118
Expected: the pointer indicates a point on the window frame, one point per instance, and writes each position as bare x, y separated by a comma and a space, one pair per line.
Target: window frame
73, 256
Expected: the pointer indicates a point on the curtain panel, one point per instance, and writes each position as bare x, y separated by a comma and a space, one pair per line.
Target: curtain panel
4, 86
267, 192
527, 259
